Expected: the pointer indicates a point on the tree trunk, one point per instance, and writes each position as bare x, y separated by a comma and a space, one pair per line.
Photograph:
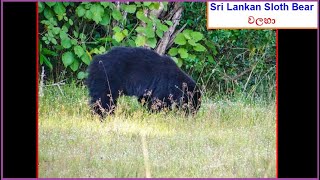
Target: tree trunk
174, 16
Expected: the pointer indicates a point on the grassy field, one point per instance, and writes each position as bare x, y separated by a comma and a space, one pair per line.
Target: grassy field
225, 139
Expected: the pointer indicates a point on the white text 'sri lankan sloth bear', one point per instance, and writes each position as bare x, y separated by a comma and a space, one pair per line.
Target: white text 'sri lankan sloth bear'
156, 80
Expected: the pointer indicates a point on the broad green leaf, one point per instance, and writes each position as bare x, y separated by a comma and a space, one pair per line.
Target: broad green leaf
118, 36
105, 20
44, 60
75, 65
59, 8
82, 75
67, 58
84, 47
97, 8
65, 28
140, 29
192, 42
183, 53
149, 32
50, 4
187, 33
46, 51
159, 33
63, 35
130, 8
54, 41
140, 40
74, 42
97, 12
112, 6
53, 21
45, 22
158, 22
180, 39
116, 29
151, 7
89, 15
125, 32
80, 11
87, 5
56, 30
210, 59
152, 42
40, 7
66, 42
102, 50
85, 58
50, 34
169, 23
70, 22
94, 51
78, 51
163, 27
154, 5
116, 14
140, 15
178, 61
175, 59
173, 52
105, 4
131, 43
199, 47
60, 16
75, 34
66, 4
82, 36
196, 36
146, 3
48, 13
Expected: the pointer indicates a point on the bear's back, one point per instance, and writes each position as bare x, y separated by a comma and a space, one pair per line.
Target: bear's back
132, 54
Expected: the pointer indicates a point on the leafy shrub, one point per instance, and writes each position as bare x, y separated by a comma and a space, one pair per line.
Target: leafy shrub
224, 61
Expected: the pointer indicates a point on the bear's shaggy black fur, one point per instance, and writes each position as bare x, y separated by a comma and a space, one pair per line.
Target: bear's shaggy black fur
156, 80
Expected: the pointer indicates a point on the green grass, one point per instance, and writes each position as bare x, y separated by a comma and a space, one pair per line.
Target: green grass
225, 139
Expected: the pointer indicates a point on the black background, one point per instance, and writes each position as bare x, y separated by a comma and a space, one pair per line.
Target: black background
297, 103
19, 93
297, 97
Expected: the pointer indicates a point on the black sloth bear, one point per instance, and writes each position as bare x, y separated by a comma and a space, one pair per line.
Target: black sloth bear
155, 80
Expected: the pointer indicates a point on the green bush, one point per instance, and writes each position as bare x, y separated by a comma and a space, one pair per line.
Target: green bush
223, 61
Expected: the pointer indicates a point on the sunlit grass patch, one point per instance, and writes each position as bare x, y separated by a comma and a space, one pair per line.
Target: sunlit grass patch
225, 139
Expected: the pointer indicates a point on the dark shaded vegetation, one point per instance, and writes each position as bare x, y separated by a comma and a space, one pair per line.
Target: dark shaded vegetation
224, 62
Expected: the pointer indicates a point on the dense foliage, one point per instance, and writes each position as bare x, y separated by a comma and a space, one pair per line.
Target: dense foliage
223, 61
